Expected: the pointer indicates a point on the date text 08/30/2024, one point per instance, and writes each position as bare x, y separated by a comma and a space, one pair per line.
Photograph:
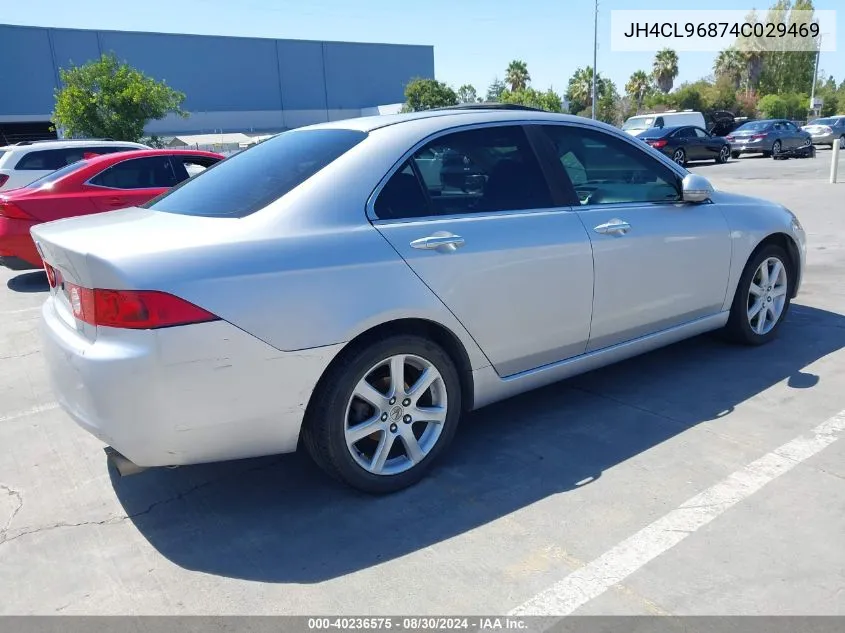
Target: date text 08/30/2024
417, 624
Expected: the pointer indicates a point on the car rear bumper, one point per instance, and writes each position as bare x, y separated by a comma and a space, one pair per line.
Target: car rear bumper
16, 244
182, 395
824, 139
750, 148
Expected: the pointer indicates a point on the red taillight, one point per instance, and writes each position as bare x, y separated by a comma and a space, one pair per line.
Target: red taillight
51, 274
134, 309
3, 179
729, 138
658, 143
757, 137
9, 209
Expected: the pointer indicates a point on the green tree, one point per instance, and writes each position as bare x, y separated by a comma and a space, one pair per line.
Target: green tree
424, 94
495, 90
548, 100
579, 92
517, 76
789, 69
752, 49
665, 69
638, 86
730, 64
689, 97
467, 94
608, 108
108, 98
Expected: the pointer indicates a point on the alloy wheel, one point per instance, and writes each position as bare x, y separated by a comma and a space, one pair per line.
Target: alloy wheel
723, 154
396, 414
678, 156
776, 148
767, 295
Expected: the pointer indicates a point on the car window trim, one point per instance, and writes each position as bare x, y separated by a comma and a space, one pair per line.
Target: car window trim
659, 158
370, 206
88, 182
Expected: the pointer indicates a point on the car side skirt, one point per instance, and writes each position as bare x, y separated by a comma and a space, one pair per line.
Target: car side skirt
490, 387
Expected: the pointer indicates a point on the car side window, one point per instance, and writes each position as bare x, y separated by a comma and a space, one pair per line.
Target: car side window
476, 171
402, 197
685, 132
778, 126
701, 133
607, 170
154, 172
44, 160
189, 166
790, 126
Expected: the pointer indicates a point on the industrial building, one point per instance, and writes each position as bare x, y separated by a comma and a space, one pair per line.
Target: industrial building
232, 84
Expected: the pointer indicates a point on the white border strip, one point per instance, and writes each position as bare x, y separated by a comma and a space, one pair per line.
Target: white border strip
612, 567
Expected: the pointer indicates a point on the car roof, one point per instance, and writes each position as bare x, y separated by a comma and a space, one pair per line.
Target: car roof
59, 144
117, 157
449, 117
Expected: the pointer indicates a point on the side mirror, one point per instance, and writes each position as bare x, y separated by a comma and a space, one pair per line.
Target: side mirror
695, 188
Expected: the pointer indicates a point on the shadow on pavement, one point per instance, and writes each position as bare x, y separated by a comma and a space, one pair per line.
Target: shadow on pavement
36, 281
279, 519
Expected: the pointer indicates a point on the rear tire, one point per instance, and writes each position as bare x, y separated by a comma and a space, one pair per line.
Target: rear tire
769, 295
405, 440
724, 153
680, 157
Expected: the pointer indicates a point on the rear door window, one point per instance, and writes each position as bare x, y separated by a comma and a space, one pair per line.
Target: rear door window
254, 178
154, 172
477, 171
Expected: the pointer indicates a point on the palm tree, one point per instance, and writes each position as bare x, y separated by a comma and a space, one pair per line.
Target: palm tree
580, 88
730, 63
665, 69
637, 87
517, 75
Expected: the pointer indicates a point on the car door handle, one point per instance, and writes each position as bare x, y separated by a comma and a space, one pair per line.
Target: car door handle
613, 227
435, 242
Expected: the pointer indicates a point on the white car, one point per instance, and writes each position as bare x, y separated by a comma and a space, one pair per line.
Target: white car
636, 125
25, 162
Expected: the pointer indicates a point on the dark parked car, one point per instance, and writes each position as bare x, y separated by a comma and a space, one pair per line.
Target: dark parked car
769, 137
688, 143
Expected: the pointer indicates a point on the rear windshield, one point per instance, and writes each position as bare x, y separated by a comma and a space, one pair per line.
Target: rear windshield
754, 126
250, 180
45, 182
656, 132
638, 123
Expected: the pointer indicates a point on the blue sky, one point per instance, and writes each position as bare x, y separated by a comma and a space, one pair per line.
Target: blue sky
473, 39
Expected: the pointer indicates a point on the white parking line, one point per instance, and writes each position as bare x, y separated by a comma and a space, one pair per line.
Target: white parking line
31, 411
21, 311
612, 567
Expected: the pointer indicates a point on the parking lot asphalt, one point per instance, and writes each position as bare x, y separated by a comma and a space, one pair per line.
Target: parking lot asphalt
699, 479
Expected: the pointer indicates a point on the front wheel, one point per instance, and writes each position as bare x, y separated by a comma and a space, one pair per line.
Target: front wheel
724, 153
680, 157
384, 413
762, 297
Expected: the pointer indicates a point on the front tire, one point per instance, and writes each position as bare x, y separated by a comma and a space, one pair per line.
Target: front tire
762, 297
384, 413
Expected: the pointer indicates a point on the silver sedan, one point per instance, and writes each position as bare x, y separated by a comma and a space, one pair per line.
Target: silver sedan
357, 286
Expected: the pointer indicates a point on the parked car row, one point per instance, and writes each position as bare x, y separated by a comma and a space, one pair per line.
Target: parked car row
827, 130
55, 180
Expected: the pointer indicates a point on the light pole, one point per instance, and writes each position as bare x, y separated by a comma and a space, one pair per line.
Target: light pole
595, 55
815, 77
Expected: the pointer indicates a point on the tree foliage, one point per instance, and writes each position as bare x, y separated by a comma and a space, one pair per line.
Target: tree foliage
579, 91
110, 99
467, 94
548, 100
517, 76
424, 94
495, 90
665, 69
638, 87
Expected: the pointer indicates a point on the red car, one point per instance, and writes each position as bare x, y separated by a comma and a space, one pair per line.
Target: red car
94, 184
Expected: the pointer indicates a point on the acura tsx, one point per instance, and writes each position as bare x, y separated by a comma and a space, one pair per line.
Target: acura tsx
354, 287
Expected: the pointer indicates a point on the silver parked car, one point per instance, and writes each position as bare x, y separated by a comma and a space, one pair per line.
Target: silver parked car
336, 285
827, 131
769, 137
